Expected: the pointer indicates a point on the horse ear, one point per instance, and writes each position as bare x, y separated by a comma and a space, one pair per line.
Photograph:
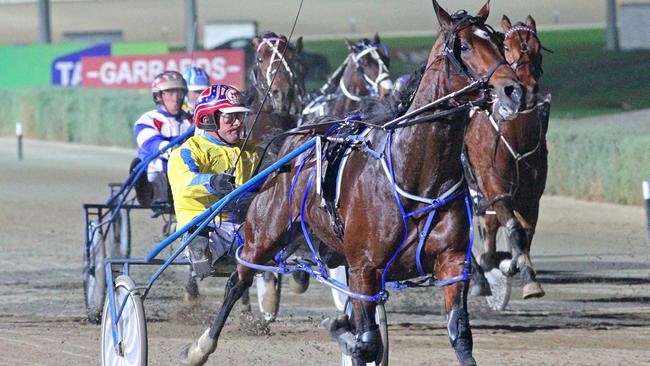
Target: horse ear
376, 39
443, 17
255, 42
505, 23
350, 45
299, 44
530, 22
484, 12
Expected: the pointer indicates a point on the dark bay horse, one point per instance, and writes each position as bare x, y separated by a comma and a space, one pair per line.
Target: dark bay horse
275, 97
378, 239
509, 160
277, 78
363, 73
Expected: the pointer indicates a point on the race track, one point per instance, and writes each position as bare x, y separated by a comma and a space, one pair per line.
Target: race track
592, 259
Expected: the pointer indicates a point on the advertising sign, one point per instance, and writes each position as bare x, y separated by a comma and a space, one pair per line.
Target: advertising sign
66, 69
137, 72
35, 66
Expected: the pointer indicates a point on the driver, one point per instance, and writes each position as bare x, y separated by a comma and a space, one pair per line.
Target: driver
154, 130
203, 170
197, 81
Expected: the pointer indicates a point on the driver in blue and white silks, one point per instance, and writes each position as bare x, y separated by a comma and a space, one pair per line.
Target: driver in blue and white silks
154, 130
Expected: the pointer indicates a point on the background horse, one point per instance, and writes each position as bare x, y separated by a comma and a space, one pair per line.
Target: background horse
424, 156
509, 160
364, 72
275, 96
278, 76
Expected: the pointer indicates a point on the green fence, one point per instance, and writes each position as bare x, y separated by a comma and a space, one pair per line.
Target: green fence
598, 162
101, 117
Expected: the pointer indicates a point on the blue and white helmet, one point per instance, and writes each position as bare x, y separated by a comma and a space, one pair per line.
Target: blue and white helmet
197, 79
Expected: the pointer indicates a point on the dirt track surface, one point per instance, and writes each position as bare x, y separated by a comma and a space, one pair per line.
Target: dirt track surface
592, 259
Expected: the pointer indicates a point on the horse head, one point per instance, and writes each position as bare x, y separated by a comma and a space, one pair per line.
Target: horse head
278, 72
522, 51
468, 51
366, 72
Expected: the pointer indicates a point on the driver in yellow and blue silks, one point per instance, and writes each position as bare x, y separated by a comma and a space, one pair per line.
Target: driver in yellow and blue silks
202, 170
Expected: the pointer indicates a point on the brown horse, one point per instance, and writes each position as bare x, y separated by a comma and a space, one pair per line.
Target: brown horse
378, 239
509, 160
363, 73
276, 89
275, 97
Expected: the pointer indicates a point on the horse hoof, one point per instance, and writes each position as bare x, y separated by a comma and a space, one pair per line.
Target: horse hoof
197, 353
470, 361
299, 282
479, 289
533, 290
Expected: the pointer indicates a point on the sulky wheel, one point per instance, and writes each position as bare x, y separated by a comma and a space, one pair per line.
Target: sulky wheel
131, 329
382, 322
94, 276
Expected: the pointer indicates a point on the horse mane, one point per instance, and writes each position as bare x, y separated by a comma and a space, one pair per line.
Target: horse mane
380, 110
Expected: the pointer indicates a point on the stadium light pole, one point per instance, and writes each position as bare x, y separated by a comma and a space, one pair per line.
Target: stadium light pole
44, 21
612, 26
190, 25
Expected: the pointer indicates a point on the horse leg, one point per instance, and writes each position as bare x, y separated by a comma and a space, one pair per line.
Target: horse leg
532, 288
518, 238
191, 288
516, 235
479, 284
268, 294
240, 280
359, 337
197, 353
488, 259
458, 328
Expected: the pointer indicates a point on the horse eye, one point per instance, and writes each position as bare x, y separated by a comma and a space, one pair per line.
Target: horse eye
506, 48
259, 59
464, 47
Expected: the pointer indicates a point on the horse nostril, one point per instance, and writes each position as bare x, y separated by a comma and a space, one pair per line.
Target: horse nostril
513, 92
277, 93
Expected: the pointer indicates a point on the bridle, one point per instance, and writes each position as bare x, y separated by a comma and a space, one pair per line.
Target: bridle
277, 45
372, 85
536, 67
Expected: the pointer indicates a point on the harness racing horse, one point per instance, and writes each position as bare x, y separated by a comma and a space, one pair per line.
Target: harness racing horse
401, 163
363, 73
277, 79
509, 162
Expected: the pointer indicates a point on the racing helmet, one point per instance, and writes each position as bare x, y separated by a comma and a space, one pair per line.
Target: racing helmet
217, 99
166, 80
197, 79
